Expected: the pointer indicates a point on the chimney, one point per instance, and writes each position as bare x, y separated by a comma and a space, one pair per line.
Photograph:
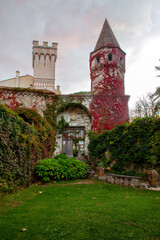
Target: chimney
17, 79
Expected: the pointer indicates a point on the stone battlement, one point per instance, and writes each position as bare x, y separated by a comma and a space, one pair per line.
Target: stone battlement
45, 45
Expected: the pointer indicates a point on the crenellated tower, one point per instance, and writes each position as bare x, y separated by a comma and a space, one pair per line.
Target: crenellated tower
107, 68
44, 58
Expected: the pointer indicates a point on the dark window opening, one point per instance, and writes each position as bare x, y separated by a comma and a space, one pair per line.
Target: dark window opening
97, 59
121, 60
110, 57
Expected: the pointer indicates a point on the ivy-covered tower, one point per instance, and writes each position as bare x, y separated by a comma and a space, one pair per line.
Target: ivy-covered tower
107, 68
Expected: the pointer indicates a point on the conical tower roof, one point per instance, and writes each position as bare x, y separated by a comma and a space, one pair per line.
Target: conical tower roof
106, 37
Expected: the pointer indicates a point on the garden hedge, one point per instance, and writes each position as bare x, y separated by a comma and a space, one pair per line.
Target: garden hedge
135, 143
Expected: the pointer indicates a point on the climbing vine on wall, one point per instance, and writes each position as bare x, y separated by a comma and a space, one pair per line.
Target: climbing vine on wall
109, 104
34, 98
9, 99
136, 143
60, 105
45, 131
22, 144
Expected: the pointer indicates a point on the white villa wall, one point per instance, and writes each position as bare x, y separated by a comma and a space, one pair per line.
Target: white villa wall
21, 81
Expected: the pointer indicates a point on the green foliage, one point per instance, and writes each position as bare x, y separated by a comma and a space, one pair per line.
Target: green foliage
98, 144
62, 155
45, 134
52, 110
50, 114
84, 156
83, 92
21, 145
75, 152
61, 167
117, 168
61, 125
137, 142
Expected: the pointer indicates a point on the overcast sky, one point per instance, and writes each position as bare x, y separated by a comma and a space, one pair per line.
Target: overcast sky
76, 25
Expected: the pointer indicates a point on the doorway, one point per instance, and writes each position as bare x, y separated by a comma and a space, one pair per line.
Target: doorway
73, 141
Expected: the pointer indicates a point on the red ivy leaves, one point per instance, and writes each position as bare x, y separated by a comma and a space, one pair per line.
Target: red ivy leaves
109, 105
9, 99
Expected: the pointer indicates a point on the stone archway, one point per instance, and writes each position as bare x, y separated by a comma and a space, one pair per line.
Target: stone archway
79, 124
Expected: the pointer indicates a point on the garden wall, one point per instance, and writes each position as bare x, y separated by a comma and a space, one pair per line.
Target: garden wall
27, 98
131, 181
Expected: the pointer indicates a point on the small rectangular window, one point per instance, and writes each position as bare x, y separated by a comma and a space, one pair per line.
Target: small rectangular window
110, 57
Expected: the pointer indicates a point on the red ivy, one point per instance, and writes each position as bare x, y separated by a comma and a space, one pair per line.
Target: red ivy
109, 106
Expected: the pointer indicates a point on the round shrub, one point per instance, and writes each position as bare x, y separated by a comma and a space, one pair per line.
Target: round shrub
61, 167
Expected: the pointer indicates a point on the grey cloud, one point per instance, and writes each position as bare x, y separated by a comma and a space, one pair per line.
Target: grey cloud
75, 25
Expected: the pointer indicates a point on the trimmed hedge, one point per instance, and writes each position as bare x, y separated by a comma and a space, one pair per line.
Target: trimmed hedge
137, 142
61, 167
21, 146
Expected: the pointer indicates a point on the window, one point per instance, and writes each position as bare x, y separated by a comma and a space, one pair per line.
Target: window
110, 57
97, 60
121, 60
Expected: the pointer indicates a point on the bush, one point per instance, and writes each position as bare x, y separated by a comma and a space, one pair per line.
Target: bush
61, 167
21, 146
75, 152
62, 155
136, 143
44, 131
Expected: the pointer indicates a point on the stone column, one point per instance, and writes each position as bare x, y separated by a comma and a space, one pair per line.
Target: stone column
126, 182
121, 181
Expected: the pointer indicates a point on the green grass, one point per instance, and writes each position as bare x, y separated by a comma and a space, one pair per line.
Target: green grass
80, 211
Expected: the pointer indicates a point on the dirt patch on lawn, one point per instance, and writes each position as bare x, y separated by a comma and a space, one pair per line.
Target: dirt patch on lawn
14, 204
81, 181
84, 181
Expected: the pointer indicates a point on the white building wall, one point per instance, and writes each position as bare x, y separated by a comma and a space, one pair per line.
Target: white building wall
21, 81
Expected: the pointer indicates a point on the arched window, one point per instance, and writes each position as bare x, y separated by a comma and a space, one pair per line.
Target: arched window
110, 57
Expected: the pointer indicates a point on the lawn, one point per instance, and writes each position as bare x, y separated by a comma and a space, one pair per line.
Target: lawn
69, 211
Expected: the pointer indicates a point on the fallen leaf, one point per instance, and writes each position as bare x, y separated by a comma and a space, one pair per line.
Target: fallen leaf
24, 229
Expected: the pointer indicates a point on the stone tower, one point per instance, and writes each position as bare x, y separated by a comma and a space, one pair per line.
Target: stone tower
107, 68
44, 58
